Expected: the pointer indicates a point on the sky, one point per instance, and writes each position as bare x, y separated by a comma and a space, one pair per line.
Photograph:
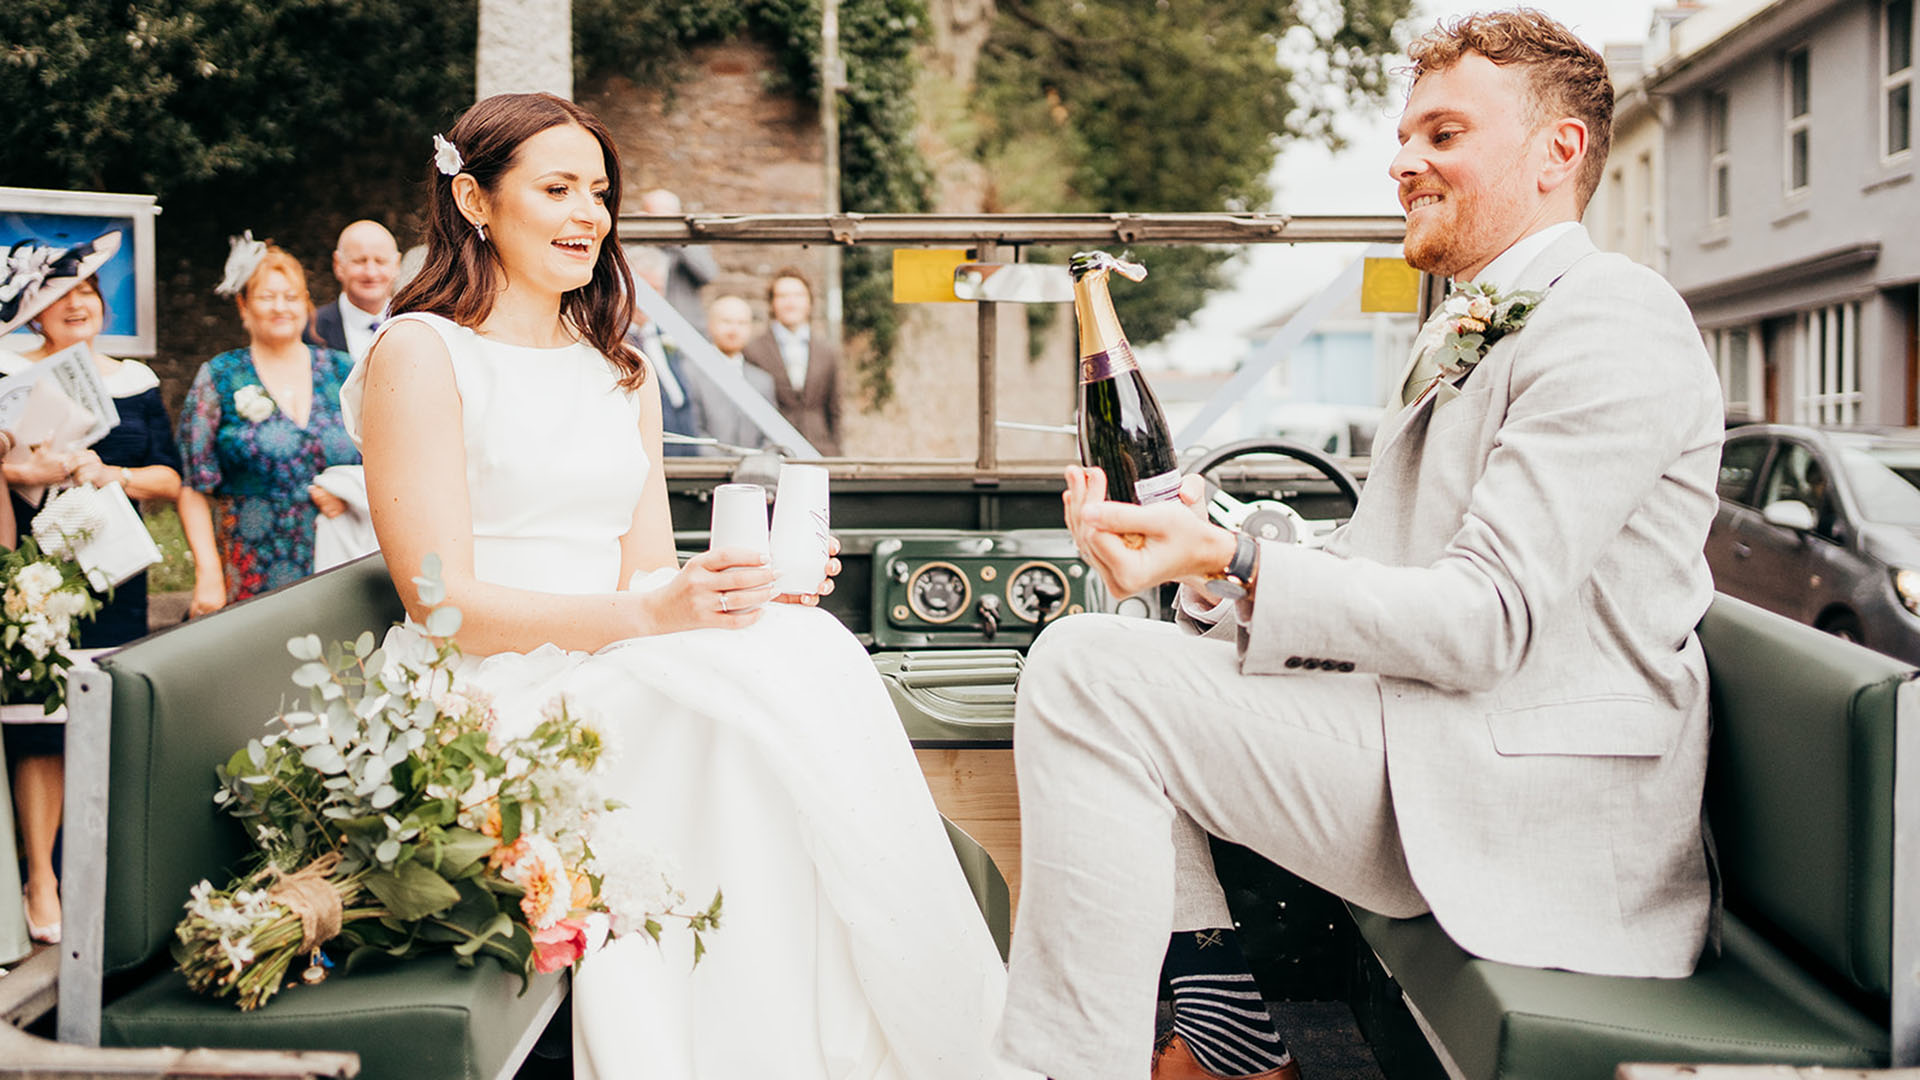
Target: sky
1270, 279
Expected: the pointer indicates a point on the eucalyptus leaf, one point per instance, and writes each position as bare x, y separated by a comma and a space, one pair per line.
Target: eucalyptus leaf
323, 758
311, 674
443, 622
384, 796
363, 645
388, 851
305, 647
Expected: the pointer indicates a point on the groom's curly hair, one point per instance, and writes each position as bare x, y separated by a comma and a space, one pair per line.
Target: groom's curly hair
1566, 76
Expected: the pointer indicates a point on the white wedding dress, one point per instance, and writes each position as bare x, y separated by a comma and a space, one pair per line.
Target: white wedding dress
767, 762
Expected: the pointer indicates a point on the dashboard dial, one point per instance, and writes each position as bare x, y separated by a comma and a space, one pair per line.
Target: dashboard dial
1037, 592
938, 592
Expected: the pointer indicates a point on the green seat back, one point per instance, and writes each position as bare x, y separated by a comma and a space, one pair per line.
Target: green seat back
1800, 784
183, 701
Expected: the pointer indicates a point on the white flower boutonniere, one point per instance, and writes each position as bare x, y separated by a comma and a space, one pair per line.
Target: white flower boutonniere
252, 403
1475, 317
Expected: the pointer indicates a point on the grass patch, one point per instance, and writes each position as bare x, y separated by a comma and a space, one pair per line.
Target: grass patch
174, 571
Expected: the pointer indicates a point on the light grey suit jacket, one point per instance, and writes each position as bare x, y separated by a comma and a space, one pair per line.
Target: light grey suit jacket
1524, 573
724, 420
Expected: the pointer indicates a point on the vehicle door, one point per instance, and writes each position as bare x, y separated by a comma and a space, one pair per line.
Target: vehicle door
1729, 546
1794, 572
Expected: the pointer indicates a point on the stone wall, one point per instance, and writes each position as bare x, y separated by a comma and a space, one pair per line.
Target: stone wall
727, 144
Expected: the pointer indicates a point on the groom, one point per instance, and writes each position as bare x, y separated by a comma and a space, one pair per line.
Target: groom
1483, 698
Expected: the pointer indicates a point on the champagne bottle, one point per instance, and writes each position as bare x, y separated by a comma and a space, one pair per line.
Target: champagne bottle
1121, 427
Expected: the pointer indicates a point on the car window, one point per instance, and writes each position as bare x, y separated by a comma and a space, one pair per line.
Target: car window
1797, 475
1884, 494
1740, 460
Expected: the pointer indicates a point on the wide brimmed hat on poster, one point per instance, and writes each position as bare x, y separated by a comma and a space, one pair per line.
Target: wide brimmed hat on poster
34, 275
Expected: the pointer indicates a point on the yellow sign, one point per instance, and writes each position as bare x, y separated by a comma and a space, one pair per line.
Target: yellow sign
1389, 285
922, 276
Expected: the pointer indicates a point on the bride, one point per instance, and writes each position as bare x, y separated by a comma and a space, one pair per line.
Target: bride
507, 428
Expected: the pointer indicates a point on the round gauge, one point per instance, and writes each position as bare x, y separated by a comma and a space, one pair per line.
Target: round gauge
938, 592
1037, 592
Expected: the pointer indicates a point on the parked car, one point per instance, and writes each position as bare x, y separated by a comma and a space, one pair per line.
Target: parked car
1824, 527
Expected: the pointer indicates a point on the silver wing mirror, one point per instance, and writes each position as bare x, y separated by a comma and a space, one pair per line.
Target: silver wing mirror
1013, 283
1789, 514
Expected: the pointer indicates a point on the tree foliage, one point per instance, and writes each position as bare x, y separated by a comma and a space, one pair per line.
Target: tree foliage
1177, 105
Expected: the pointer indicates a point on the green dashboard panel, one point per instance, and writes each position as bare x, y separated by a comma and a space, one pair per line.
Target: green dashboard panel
991, 590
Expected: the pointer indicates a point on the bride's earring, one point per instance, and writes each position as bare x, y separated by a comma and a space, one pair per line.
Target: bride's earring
482, 230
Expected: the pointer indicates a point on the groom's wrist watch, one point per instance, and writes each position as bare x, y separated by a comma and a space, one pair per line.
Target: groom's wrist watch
1236, 580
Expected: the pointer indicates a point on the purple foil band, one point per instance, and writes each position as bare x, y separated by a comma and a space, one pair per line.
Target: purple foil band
1105, 365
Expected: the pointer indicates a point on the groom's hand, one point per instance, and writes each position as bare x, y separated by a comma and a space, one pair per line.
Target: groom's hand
1135, 548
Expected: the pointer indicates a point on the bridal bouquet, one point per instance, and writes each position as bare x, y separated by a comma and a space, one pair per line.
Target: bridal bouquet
392, 817
42, 600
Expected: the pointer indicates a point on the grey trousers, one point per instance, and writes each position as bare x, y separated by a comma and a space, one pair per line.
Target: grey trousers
1129, 738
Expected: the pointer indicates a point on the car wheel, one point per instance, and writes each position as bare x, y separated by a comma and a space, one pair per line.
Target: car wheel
1841, 624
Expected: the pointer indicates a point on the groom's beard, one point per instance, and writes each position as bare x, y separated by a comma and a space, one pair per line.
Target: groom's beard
1463, 231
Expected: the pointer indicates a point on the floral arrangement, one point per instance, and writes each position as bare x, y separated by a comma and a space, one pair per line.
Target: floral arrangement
1474, 317
253, 403
392, 817
41, 605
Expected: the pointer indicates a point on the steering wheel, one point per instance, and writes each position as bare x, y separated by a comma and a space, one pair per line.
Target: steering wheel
1268, 519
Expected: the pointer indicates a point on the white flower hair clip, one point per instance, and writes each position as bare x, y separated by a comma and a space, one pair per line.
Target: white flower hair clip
242, 259
446, 157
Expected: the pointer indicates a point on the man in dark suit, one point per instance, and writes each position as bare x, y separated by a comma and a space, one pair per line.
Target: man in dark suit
806, 370
365, 260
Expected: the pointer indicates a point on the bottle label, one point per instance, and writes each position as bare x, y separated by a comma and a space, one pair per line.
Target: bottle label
1108, 363
1155, 489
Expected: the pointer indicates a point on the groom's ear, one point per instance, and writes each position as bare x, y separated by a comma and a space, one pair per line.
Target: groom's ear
1566, 145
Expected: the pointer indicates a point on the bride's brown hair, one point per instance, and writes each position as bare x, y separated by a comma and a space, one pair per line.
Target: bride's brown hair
462, 272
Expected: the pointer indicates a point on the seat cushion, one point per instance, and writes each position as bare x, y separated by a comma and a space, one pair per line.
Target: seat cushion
424, 1019
1501, 1022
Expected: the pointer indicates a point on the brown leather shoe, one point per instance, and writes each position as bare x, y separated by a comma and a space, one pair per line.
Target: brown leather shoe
1174, 1061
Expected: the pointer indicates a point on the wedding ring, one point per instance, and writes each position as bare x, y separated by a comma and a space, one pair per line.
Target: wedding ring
723, 604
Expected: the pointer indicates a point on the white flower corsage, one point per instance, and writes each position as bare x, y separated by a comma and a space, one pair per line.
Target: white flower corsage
253, 403
1475, 317
446, 157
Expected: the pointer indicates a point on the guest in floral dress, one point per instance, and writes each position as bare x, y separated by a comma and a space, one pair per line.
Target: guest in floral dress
258, 425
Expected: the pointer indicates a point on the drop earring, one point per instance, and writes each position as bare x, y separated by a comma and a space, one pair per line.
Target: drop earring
482, 230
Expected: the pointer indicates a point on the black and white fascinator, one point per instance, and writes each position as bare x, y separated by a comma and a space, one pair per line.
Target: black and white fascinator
34, 275
243, 258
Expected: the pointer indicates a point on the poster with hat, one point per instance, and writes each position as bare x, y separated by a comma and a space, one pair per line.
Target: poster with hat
50, 241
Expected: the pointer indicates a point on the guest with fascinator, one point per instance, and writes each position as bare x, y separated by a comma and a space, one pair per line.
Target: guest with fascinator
259, 424
54, 292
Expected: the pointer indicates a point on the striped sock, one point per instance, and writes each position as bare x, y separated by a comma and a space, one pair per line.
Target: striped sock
1217, 1009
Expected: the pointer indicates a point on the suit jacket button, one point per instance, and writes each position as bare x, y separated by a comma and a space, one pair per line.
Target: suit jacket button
1346, 665
1293, 661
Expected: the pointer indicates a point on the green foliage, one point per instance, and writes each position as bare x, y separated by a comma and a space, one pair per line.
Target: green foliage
174, 571
156, 95
1175, 106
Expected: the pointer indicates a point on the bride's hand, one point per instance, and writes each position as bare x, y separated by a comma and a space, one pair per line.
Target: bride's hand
725, 589
826, 585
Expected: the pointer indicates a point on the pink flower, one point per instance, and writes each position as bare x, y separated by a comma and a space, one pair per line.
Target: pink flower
559, 946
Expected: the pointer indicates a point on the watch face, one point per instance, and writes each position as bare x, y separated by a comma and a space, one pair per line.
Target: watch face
1226, 588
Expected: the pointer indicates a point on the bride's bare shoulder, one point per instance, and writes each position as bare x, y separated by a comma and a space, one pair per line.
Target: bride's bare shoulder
407, 349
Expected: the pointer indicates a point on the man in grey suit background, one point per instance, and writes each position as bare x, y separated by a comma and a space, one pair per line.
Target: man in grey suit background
1483, 698
730, 327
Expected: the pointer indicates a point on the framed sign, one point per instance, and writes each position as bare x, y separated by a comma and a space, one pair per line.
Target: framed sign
65, 218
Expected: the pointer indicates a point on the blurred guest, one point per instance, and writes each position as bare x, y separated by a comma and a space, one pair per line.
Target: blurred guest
259, 424
679, 410
366, 260
729, 326
689, 266
806, 372
137, 453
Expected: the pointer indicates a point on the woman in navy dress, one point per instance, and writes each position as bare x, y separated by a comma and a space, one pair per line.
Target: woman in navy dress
258, 425
139, 455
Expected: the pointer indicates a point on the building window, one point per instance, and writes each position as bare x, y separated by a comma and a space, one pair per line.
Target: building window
1649, 244
1736, 355
1799, 106
1617, 205
1719, 156
1828, 371
1896, 79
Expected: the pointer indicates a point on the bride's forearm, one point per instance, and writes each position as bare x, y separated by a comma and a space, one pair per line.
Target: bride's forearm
498, 618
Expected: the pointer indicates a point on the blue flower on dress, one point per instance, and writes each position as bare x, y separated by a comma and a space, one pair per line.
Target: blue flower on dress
256, 519
279, 441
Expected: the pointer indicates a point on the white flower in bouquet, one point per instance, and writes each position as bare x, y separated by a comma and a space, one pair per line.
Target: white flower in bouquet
39, 637
36, 582
635, 878
253, 403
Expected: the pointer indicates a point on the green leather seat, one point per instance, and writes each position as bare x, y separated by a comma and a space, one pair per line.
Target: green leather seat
1800, 800
182, 701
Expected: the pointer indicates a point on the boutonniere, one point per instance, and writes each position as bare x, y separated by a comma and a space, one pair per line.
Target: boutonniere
253, 403
1474, 318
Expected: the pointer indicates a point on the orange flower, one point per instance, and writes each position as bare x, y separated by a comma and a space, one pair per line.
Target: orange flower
582, 889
